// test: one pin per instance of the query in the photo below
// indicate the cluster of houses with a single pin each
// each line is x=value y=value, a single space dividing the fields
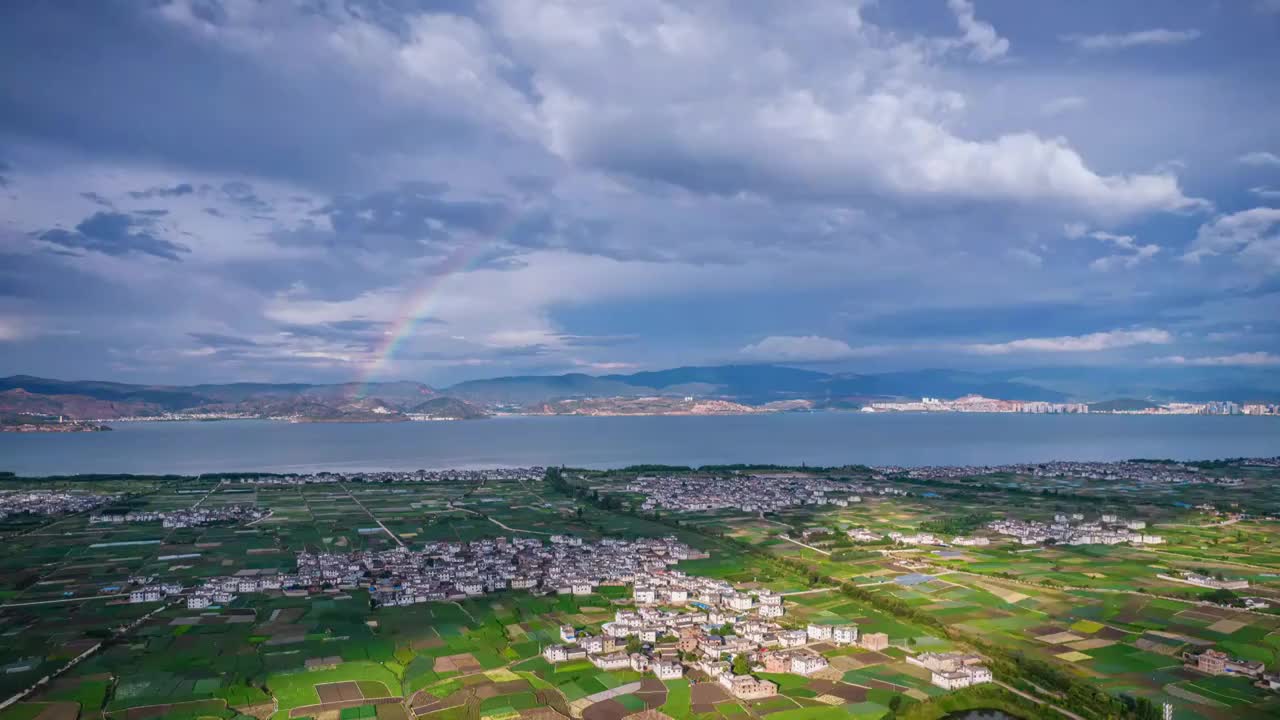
x=682 y=620
x=145 y=589
x=953 y=670
x=1074 y=530
x=525 y=474
x=1142 y=472
x=1216 y=662
x=863 y=535
x=454 y=570
x=748 y=493
x=1208 y=581
x=1132 y=471
x=42 y=502
x=186 y=517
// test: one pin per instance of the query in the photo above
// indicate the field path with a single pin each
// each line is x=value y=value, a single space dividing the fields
x=789 y=539
x=385 y=529
x=1037 y=700
x=504 y=526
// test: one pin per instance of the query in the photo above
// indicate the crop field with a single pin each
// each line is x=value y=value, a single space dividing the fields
x=1102 y=614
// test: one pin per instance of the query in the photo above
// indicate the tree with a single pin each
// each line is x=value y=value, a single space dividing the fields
x=895 y=703
x=741 y=665
x=633 y=645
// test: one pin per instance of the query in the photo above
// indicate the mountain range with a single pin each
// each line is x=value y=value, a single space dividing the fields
x=763 y=387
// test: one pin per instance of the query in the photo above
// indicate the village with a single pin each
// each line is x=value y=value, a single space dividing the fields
x=457 y=570
x=683 y=622
x=186 y=517
x=41 y=502
x=1128 y=470
x=1073 y=530
x=750 y=493
x=517 y=474
x=679 y=622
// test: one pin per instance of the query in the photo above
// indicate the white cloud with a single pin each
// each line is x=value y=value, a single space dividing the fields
x=1139 y=38
x=1267 y=193
x=1093 y=342
x=1075 y=230
x=1252 y=236
x=984 y=43
x=1244 y=359
x=1130 y=256
x=10 y=329
x=1026 y=257
x=813 y=104
x=1060 y=105
x=799 y=348
x=1259 y=158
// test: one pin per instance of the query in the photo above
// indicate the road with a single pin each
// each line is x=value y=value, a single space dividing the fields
x=86 y=598
x=789 y=539
x=385 y=529
x=1038 y=701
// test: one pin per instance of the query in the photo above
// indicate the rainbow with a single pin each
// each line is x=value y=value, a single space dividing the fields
x=414 y=310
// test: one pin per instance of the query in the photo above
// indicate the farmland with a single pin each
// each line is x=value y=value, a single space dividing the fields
x=1105 y=617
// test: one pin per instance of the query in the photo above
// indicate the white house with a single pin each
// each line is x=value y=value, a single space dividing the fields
x=555 y=653
x=845 y=634
x=807 y=663
x=818 y=632
x=668 y=670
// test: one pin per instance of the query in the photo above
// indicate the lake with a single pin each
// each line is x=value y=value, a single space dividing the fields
x=825 y=438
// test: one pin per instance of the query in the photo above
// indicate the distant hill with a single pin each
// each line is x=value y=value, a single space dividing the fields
x=1122 y=404
x=758 y=386
x=526 y=389
x=448 y=408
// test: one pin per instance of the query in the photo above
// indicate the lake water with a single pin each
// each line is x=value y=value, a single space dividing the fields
x=829 y=438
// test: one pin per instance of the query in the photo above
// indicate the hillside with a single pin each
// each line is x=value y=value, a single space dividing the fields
x=767 y=387
x=448 y=408
x=1121 y=405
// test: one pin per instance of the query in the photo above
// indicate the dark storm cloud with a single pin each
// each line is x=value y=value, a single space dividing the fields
x=97 y=199
x=218 y=340
x=117 y=234
x=163 y=192
x=413 y=211
x=162 y=92
x=342 y=330
x=243 y=194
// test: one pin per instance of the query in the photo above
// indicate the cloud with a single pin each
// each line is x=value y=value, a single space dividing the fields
x=1267 y=193
x=117 y=234
x=1132 y=254
x=218 y=340
x=837 y=108
x=11 y=329
x=1244 y=359
x=1064 y=104
x=163 y=192
x=1252 y=236
x=984 y=43
x=798 y=348
x=1093 y=342
x=1026 y=257
x=1260 y=158
x=1139 y=38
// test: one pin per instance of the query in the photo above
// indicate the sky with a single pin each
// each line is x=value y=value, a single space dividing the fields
x=316 y=191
